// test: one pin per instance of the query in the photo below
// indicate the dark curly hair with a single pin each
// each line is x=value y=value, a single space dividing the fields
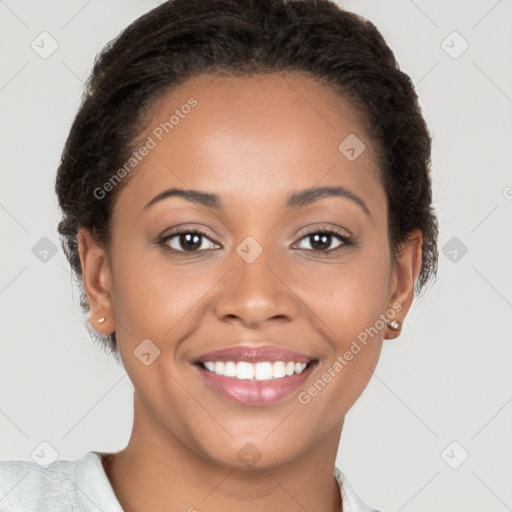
x=184 y=38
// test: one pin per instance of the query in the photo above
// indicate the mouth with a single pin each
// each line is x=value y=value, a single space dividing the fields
x=261 y=371
x=255 y=376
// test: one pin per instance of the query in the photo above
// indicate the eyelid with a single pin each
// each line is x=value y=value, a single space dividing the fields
x=187 y=228
x=314 y=228
x=177 y=231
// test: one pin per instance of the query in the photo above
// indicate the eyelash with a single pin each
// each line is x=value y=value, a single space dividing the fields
x=346 y=241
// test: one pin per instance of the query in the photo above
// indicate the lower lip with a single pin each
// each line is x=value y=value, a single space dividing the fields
x=254 y=392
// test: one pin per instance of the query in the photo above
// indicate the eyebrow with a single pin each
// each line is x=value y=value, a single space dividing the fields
x=295 y=200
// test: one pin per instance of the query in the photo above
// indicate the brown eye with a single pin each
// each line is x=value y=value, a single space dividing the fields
x=187 y=241
x=320 y=241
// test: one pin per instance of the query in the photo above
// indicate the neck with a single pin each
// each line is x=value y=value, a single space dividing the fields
x=156 y=471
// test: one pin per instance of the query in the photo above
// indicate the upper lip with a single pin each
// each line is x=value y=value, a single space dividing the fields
x=253 y=354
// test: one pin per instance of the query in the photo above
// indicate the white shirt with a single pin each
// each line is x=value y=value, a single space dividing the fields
x=83 y=486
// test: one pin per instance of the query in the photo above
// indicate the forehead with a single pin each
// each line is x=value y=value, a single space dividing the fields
x=264 y=135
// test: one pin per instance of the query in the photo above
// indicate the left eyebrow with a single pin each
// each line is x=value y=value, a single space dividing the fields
x=295 y=200
x=310 y=195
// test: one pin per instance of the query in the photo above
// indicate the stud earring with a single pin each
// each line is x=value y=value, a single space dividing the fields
x=395 y=324
x=101 y=320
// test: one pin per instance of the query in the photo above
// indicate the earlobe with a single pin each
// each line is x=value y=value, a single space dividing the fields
x=97 y=281
x=406 y=271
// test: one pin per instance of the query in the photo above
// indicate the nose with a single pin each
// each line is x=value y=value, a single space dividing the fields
x=257 y=293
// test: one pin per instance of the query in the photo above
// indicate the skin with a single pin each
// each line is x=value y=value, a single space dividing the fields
x=253 y=141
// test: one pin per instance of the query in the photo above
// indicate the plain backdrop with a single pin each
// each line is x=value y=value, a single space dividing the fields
x=432 y=431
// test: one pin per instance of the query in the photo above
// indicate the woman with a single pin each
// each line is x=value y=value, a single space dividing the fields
x=246 y=201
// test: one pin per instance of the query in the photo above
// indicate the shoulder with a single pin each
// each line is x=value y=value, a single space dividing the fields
x=25 y=485
x=65 y=485
x=350 y=500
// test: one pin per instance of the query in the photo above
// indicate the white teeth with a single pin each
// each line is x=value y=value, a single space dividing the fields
x=299 y=367
x=264 y=370
x=279 y=369
x=290 y=368
x=230 y=369
x=244 y=370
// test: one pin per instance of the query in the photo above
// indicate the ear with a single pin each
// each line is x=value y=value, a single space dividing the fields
x=406 y=270
x=97 y=281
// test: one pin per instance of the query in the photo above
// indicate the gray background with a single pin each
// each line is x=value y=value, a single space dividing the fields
x=447 y=378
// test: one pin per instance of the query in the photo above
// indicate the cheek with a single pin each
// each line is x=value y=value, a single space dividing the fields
x=350 y=305
x=350 y=297
x=349 y=317
x=152 y=294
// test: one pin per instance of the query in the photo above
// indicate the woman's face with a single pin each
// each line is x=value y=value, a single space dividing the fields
x=261 y=272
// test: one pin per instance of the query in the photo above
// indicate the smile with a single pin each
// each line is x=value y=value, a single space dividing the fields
x=261 y=371
x=254 y=376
